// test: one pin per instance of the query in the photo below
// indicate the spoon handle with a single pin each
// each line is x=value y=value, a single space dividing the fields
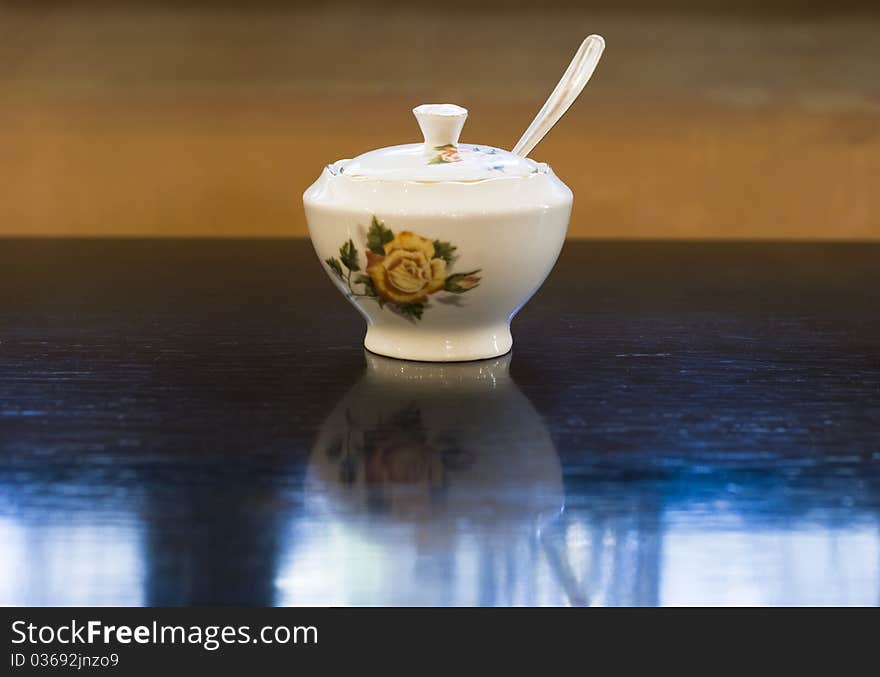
x=575 y=78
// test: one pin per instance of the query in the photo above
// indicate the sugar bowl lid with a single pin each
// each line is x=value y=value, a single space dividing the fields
x=441 y=158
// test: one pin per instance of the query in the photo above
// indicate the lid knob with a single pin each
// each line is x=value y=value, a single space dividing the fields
x=440 y=123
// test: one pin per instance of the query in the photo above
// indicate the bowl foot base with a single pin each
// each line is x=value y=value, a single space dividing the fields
x=425 y=345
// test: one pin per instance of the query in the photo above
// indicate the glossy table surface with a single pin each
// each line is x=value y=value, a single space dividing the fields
x=195 y=422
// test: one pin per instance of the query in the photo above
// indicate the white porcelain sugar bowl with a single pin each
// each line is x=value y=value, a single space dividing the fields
x=439 y=243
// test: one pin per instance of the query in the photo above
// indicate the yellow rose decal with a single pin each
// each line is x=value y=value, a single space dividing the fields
x=402 y=270
x=407 y=271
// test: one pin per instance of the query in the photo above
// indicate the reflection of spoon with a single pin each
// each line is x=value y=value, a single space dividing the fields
x=573 y=81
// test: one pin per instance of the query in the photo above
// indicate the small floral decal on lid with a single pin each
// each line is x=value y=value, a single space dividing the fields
x=402 y=270
x=487 y=156
x=447 y=153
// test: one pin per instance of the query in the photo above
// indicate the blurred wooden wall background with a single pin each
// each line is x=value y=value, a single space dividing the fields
x=715 y=120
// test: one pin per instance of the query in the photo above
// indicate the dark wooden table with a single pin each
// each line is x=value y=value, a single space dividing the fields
x=195 y=422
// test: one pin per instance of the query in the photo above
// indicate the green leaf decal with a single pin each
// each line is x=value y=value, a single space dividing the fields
x=349 y=255
x=334 y=266
x=370 y=288
x=462 y=282
x=378 y=236
x=445 y=251
x=411 y=310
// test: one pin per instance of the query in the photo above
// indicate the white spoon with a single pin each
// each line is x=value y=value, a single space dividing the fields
x=573 y=81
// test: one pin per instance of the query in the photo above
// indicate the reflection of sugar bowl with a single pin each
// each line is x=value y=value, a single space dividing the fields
x=438 y=244
x=422 y=475
x=421 y=442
